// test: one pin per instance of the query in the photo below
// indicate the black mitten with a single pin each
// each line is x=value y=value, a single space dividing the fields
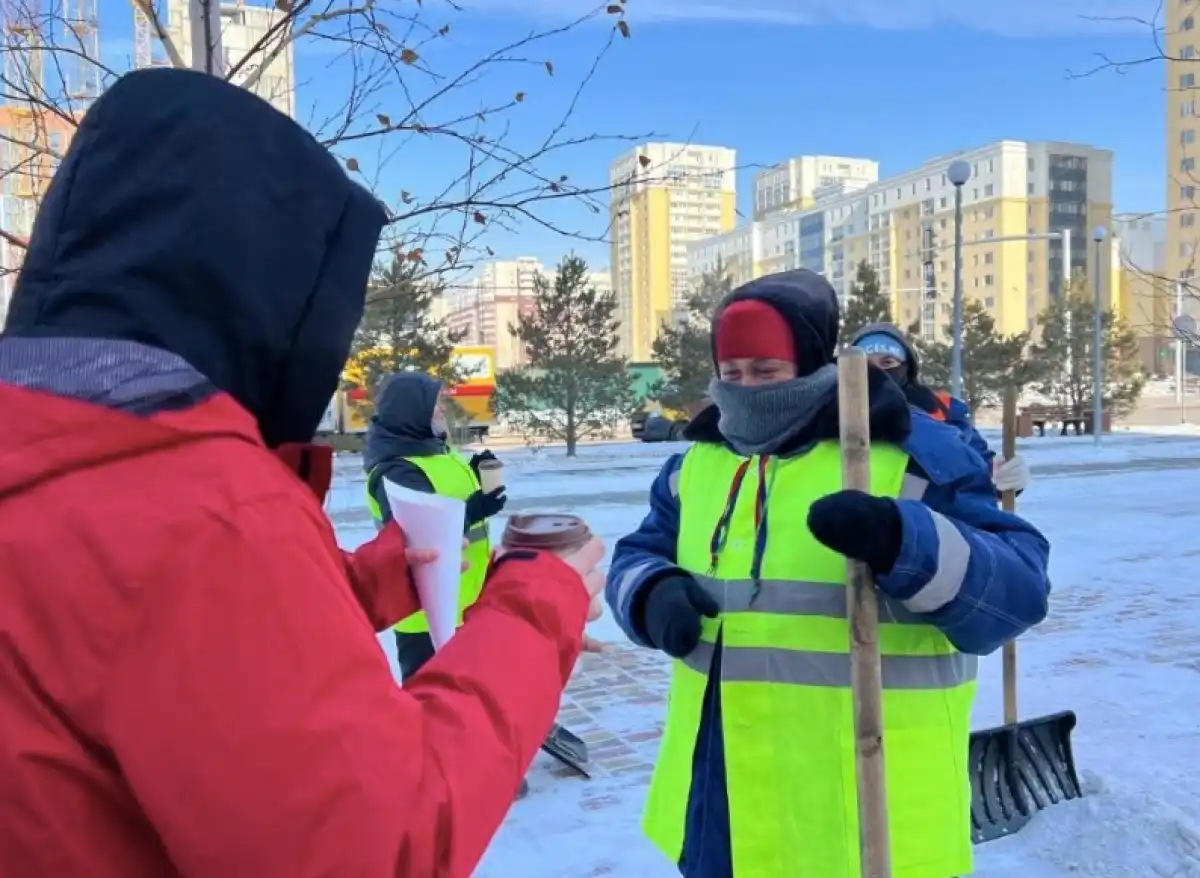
x=859 y=526
x=672 y=611
x=480 y=458
x=481 y=505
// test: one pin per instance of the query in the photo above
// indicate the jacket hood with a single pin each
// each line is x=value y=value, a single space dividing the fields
x=402 y=425
x=893 y=332
x=191 y=216
x=806 y=301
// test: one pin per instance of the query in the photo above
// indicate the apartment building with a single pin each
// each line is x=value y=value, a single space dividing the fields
x=664 y=196
x=487 y=303
x=1147 y=294
x=1182 y=42
x=245 y=28
x=793 y=184
x=33 y=140
x=903 y=226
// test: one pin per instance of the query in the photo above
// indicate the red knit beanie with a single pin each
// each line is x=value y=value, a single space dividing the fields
x=751 y=329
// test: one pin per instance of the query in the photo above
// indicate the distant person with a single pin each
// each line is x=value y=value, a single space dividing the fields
x=889 y=349
x=406 y=445
x=190 y=683
x=738 y=572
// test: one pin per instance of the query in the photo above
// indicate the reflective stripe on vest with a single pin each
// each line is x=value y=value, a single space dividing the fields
x=785 y=687
x=451 y=476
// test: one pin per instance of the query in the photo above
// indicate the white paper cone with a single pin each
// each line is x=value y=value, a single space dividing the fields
x=432 y=522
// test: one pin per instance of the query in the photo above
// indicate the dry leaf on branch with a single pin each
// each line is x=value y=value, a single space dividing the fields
x=352 y=164
x=643 y=160
x=550 y=67
x=406 y=197
x=443 y=30
x=615 y=10
x=408 y=56
x=283 y=5
x=385 y=121
x=623 y=27
x=479 y=218
x=519 y=97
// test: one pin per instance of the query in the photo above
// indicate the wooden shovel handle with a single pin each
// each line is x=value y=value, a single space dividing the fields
x=866 y=670
x=1008 y=501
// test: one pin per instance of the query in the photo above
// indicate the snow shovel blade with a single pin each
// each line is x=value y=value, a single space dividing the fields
x=567 y=748
x=1017 y=770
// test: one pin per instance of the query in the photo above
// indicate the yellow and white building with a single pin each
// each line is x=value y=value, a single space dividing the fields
x=793 y=184
x=903 y=226
x=664 y=196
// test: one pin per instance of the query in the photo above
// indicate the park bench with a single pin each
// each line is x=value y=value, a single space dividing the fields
x=1038 y=417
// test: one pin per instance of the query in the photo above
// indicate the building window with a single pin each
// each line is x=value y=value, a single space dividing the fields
x=989 y=280
x=1187 y=220
x=1187 y=192
x=1187 y=135
x=1188 y=164
x=988 y=258
x=989 y=190
x=1188 y=23
x=989 y=302
x=1187 y=80
x=1187 y=53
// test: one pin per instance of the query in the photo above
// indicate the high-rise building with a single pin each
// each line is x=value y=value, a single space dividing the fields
x=34 y=139
x=664 y=196
x=486 y=304
x=903 y=226
x=262 y=29
x=1147 y=294
x=792 y=185
x=1183 y=149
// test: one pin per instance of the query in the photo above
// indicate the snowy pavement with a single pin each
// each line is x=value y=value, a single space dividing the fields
x=1121 y=648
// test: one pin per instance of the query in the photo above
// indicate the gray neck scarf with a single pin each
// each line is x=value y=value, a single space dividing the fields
x=763 y=419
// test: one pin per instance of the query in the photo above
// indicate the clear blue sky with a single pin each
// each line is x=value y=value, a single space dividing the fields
x=934 y=76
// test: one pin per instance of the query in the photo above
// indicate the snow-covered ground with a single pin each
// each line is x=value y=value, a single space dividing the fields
x=1121 y=648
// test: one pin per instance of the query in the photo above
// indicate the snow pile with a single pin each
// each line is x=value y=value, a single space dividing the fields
x=1110 y=833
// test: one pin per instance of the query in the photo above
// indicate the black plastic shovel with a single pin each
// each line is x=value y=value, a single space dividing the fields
x=1019 y=768
x=568 y=748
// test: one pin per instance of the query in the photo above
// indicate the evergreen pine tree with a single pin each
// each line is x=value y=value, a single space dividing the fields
x=684 y=349
x=575 y=386
x=398 y=332
x=867 y=303
x=992 y=361
x=1068 y=335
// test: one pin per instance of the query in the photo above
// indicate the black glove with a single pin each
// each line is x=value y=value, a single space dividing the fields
x=481 y=505
x=480 y=458
x=671 y=612
x=859 y=526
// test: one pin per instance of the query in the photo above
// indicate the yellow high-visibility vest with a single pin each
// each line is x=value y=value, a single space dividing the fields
x=785 y=687
x=451 y=476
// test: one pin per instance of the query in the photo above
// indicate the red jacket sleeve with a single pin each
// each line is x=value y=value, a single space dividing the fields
x=258 y=726
x=379 y=575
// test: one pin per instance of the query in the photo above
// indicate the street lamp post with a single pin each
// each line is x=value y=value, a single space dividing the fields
x=958 y=174
x=1098 y=235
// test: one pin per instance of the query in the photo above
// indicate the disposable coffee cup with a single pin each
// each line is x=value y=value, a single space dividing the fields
x=550 y=532
x=491 y=475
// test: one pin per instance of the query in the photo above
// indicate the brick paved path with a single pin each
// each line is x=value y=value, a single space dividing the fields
x=615 y=703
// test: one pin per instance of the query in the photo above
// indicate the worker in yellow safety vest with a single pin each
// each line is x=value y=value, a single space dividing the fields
x=738 y=573
x=406 y=445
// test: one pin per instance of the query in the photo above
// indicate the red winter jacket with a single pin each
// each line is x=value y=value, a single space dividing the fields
x=189 y=678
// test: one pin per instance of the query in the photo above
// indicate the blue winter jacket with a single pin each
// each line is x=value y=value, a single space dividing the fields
x=958 y=416
x=1004 y=591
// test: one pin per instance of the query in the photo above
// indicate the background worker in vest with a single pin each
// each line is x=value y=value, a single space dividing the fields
x=406 y=444
x=889 y=349
x=738 y=572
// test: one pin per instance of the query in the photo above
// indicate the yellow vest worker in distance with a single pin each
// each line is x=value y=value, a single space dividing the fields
x=406 y=444
x=738 y=573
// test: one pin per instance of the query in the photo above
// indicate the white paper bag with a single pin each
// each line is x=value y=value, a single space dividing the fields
x=433 y=522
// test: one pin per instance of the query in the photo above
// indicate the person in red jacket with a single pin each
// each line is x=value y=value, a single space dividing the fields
x=190 y=682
